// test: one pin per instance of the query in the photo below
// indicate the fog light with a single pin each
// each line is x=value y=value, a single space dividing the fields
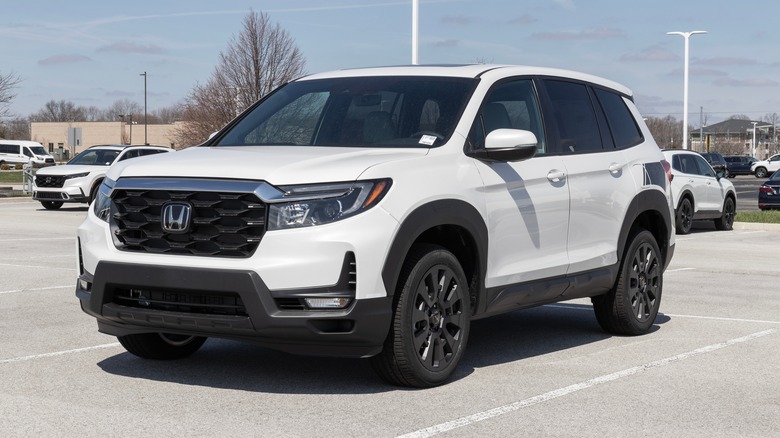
x=85 y=285
x=327 y=303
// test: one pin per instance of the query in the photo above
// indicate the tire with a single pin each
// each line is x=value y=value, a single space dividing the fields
x=631 y=306
x=431 y=321
x=93 y=193
x=761 y=172
x=684 y=216
x=726 y=222
x=51 y=205
x=161 y=346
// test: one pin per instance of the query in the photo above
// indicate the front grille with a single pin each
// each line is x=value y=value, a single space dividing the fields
x=49 y=181
x=49 y=161
x=49 y=195
x=207 y=303
x=223 y=224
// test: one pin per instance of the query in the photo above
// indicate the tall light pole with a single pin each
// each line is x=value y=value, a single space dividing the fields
x=686 y=36
x=145 y=132
x=415 y=29
x=754 y=138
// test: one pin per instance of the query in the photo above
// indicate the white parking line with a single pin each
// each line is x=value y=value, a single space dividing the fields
x=680 y=269
x=512 y=407
x=35 y=266
x=673 y=315
x=35 y=289
x=38 y=238
x=58 y=353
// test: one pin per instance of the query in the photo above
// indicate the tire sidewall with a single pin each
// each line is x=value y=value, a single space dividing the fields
x=637 y=325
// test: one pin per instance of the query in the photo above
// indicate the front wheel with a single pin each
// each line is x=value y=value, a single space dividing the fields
x=431 y=320
x=161 y=346
x=684 y=216
x=726 y=221
x=51 y=205
x=761 y=172
x=631 y=306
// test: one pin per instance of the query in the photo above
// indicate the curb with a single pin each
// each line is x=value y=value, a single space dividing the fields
x=756 y=226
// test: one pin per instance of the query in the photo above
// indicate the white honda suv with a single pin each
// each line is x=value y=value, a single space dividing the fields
x=699 y=192
x=376 y=212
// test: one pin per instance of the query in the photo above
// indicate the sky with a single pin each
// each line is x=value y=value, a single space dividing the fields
x=94 y=52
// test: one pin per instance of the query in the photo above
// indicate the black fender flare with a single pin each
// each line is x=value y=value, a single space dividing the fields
x=653 y=201
x=442 y=212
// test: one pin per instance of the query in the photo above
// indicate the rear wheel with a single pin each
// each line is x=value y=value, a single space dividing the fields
x=431 y=320
x=684 y=216
x=631 y=306
x=726 y=221
x=51 y=205
x=161 y=346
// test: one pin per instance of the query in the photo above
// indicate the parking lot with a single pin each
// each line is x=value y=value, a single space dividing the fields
x=710 y=367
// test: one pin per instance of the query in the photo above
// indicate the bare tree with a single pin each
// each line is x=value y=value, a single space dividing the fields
x=738 y=117
x=7 y=84
x=124 y=108
x=15 y=129
x=261 y=58
x=62 y=111
x=667 y=131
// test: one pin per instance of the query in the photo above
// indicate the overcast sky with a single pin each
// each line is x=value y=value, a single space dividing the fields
x=93 y=52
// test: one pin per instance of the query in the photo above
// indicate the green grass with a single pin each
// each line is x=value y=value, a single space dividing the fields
x=766 y=217
x=11 y=177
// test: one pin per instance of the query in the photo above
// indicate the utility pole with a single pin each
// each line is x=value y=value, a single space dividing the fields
x=703 y=147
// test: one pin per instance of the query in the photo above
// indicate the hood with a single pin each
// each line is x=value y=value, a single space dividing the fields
x=277 y=165
x=70 y=169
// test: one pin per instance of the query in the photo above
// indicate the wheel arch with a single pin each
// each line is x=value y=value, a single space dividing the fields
x=453 y=224
x=648 y=210
x=686 y=194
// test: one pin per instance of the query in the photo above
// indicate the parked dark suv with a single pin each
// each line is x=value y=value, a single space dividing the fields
x=739 y=164
x=717 y=162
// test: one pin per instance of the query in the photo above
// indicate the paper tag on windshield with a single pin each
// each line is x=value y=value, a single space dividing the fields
x=427 y=140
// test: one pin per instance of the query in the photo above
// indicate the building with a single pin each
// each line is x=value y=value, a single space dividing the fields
x=735 y=136
x=65 y=139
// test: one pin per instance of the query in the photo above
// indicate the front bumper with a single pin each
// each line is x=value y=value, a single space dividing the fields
x=229 y=304
x=64 y=194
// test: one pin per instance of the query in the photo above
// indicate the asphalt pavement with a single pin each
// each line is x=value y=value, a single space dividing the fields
x=709 y=367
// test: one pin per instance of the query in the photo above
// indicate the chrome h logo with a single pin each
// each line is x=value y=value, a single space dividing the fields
x=176 y=217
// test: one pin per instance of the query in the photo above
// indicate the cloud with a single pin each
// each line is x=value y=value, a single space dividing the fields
x=130 y=47
x=523 y=19
x=566 y=4
x=459 y=20
x=64 y=59
x=730 y=82
x=651 y=54
x=594 y=34
x=446 y=43
x=724 y=60
x=698 y=71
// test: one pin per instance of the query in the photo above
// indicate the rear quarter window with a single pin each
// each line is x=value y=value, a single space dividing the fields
x=625 y=131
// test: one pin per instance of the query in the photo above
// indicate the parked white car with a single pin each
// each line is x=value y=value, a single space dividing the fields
x=699 y=192
x=376 y=212
x=78 y=180
x=764 y=168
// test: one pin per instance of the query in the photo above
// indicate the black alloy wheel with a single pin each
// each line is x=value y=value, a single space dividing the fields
x=684 y=216
x=726 y=221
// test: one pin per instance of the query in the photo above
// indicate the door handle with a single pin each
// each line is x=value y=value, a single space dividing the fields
x=556 y=175
x=615 y=167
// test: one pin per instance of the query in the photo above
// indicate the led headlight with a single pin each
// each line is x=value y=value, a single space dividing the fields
x=317 y=204
x=76 y=175
x=102 y=205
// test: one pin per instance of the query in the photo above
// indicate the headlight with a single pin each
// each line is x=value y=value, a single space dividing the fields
x=102 y=205
x=76 y=175
x=308 y=205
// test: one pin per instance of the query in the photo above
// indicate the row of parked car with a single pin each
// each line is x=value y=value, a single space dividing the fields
x=734 y=165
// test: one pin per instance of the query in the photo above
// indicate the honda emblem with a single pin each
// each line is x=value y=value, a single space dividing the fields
x=176 y=217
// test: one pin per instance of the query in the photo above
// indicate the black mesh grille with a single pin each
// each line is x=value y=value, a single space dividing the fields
x=182 y=301
x=49 y=181
x=223 y=224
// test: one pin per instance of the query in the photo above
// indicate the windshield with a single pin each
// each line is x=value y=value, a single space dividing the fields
x=38 y=150
x=95 y=157
x=360 y=111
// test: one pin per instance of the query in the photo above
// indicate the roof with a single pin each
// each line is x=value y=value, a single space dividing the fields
x=733 y=126
x=469 y=71
x=125 y=146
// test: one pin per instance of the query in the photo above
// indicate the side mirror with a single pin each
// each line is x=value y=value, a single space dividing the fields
x=504 y=145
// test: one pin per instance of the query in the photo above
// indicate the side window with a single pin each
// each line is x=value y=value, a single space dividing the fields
x=578 y=128
x=624 y=130
x=704 y=167
x=130 y=154
x=27 y=152
x=510 y=105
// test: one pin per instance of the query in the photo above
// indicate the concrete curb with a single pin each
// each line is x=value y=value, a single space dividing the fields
x=756 y=226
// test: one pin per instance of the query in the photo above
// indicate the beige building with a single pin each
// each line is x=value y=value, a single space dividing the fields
x=54 y=135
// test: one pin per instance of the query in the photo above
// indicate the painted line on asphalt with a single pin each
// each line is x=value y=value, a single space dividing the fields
x=680 y=269
x=35 y=266
x=36 y=289
x=673 y=315
x=38 y=239
x=512 y=407
x=58 y=353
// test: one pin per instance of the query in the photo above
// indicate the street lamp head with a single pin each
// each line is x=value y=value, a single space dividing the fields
x=687 y=34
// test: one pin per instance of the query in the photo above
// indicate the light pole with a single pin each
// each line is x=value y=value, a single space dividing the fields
x=121 y=128
x=415 y=26
x=754 y=138
x=686 y=36
x=145 y=138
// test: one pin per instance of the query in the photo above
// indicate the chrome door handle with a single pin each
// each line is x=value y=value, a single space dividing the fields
x=556 y=175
